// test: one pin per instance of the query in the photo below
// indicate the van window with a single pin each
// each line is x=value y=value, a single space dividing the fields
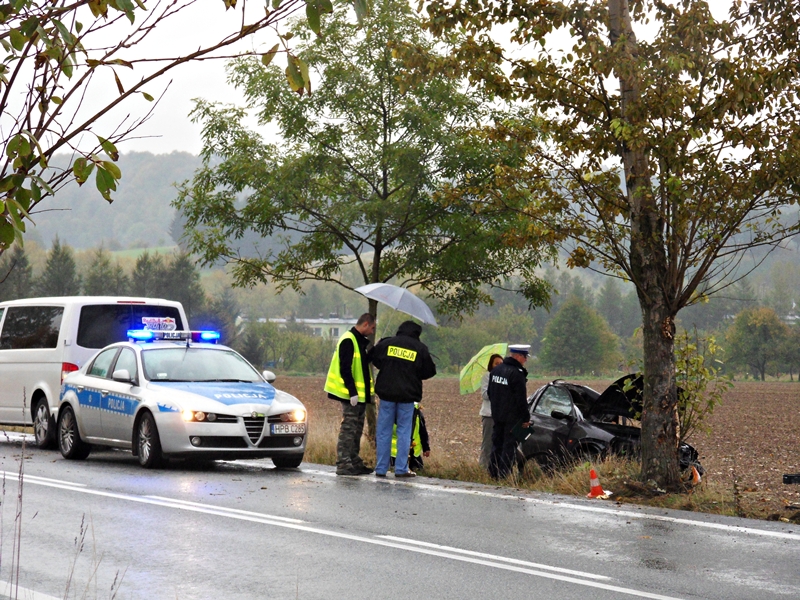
x=28 y=327
x=104 y=324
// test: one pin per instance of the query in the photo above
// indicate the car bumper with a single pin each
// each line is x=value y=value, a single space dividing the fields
x=227 y=440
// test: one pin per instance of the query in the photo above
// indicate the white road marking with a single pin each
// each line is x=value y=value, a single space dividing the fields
x=466 y=556
x=514 y=561
x=15 y=591
x=234 y=511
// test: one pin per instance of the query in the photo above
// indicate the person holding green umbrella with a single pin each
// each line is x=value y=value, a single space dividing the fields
x=487 y=423
x=475 y=376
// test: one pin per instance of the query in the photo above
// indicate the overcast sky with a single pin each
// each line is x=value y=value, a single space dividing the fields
x=169 y=128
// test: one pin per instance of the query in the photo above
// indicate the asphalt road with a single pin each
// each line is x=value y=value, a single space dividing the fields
x=105 y=528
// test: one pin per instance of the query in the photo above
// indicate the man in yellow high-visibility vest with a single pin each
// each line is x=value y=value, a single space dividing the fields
x=350 y=382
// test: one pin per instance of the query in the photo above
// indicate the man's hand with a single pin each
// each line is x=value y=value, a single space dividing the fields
x=426 y=454
x=353 y=400
x=526 y=425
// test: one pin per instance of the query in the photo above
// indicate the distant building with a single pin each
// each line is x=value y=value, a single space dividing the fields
x=331 y=327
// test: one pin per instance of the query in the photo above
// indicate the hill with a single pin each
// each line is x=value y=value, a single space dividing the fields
x=140 y=215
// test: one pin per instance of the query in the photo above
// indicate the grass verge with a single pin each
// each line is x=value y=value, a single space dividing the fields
x=618 y=475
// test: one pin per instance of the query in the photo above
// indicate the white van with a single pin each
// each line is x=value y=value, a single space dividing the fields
x=44 y=339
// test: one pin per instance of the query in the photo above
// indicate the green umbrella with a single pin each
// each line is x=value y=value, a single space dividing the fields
x=472 y=373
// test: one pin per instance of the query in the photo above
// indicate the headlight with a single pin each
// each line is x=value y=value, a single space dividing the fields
x=297 y=416
x=190 y=415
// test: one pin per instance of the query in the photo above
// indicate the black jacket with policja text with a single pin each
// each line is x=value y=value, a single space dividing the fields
x=404 y=361
x=508 y=392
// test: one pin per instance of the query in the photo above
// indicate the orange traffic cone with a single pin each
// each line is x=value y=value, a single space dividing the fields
x=696 y=476
x=596 y=489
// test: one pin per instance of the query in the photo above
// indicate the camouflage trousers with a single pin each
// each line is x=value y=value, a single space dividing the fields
x=349 y=445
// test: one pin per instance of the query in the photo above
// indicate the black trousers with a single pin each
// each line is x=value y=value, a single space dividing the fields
x=504 y=450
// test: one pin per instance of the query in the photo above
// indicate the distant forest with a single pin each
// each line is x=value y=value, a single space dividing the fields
x=139 y=217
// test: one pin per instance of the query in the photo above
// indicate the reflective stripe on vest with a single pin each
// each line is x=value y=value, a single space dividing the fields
x=416 y=441
x=335 y=384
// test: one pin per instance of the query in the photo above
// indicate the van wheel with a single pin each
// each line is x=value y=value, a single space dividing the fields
x=149 y=444
x=69 y=439
x=44 y=426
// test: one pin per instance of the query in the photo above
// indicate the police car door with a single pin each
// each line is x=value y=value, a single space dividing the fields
x=91 y=392
x=549 y=433
x=121 y=400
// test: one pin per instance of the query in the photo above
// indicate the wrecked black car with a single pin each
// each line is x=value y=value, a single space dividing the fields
x=574 y=422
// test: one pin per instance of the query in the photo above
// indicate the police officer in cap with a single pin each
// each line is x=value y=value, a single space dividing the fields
x=508 y=395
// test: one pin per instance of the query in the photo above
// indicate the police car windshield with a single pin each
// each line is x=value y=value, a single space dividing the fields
x=196 y=364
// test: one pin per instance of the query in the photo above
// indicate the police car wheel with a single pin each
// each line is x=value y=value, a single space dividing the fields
x=290 y=461
x=44 y=427
x=69 y=439
x=149 y=444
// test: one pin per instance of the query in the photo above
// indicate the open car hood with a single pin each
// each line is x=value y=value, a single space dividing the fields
x=616 y=401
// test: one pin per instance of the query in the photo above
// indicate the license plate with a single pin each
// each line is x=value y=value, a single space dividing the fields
x=287 y=428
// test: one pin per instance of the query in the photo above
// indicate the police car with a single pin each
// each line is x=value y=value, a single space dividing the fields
x=178 y=394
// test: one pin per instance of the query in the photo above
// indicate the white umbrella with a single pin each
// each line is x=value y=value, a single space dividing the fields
x=399 y=299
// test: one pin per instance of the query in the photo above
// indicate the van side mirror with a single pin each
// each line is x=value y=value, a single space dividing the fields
x=269 y=376
x=123 y=376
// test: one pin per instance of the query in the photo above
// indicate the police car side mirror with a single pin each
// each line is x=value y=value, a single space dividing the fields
x=269 y=376
x=122 y=375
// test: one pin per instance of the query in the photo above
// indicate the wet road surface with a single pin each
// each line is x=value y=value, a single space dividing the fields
x=106 y=528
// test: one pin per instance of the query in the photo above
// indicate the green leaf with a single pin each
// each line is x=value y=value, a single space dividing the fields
x=147 y=96
x=12 y=148
x=24 y=146
x=362 y=10
x=78 y=26
x=69 y=39
x=29 y=26
x=17 y=40
x=105 y=183
x=66 y=66
x=266 y=58
x=108 y=148
x=41 y=183
x=82 y=169
x=313 y=15
x=293 y=74
x=56 y=99
x=99 y=8
x=7 y=234
x=275 y=4
x=304 y=72
x=113 y=169
x=127 y=7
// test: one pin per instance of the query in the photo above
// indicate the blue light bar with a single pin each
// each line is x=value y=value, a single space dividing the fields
x=141 y=335
x=148 y=335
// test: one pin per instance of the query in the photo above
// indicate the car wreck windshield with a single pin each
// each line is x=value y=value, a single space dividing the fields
x=196 y=364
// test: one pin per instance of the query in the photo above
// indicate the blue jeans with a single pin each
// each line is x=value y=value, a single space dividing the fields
x=389 y=414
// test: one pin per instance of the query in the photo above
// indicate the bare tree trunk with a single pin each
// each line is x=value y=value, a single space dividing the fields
x=648 y=261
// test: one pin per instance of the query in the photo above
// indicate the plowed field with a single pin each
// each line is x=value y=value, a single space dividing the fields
x=754 y=439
